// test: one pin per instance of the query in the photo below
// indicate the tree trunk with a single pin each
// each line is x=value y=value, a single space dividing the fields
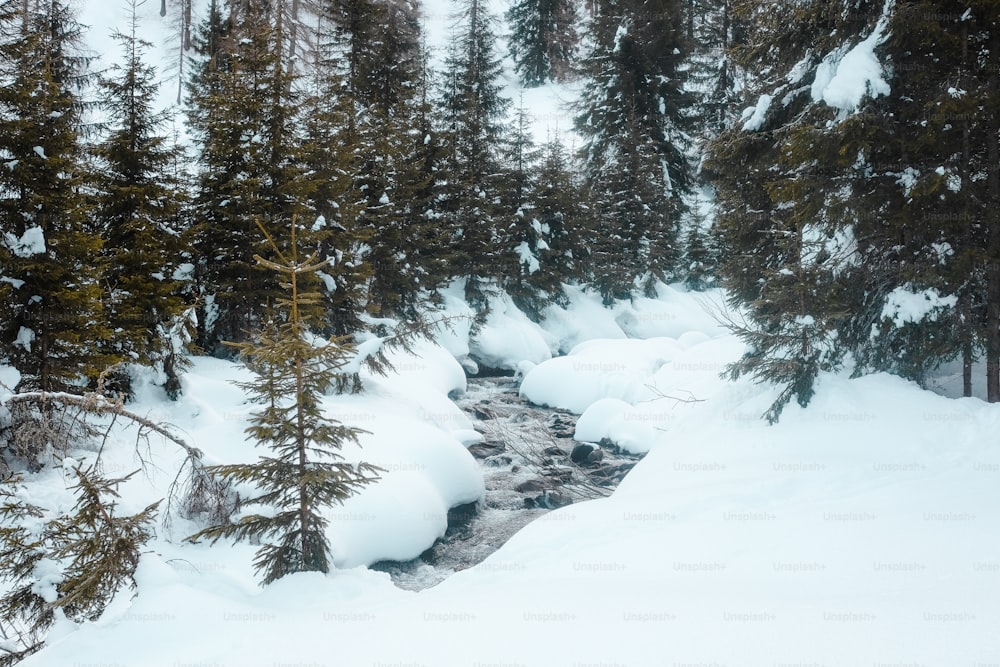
x=993 y=230
x=186 y=21
x=967 y=321
x=967 y=336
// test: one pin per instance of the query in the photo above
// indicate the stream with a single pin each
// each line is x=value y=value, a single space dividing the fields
x=531 y=465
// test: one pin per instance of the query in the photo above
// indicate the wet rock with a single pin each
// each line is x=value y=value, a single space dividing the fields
x=611 y=446
x=500 y=461
x=532 y=486
x=562 y=426
x=524 y=457
x=581 y=452
x=483 y=413
x=552 y=500
x=487 y=448
x=559 y=476
x=460 y=517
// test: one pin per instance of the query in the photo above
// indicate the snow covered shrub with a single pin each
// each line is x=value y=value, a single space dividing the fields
x=70 y=566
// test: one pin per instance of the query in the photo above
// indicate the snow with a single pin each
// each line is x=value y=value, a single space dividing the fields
x=25 y=337
x=30 y=243
x=184 y=272
x=755 y=116
x=527 y=257
x=903 y=305
x=40 y=152
x=857 y=531
x=843 y=79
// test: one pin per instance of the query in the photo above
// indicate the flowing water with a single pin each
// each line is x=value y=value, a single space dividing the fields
x=531 y=465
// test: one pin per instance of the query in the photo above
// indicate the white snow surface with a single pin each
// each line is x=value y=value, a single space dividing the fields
x=903 y=305
x=755 y=116
x=30 y=243
x=843 y=79
x=861 y=530
x=858 y=531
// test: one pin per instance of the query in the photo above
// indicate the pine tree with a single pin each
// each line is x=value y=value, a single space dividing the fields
x=543 y=40
x=633 y=116
x=517 y=190
x=784 y=176
x=304 y=474
x=74 y=565
x=330 y=161
x=543 y=237
x=925 y=179
x=387 y=138
x=473 y=112
x=242 y=109
x=53 y=309
x=701 y=258
x=412 y=258
x=138 y=208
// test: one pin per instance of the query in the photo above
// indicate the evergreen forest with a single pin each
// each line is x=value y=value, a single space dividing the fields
x=828 y=163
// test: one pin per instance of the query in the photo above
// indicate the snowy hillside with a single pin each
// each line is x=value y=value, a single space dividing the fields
x=859 y=531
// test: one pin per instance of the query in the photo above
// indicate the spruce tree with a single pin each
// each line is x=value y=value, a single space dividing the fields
x=304 y=474
x=474 y=111
x=543 y=39
x=633 y=116
x=387 y=138
x=925 y=177
x=784 y=175
x=138 y=208
x=72 y=565
x=545 y=250
x=242 y=110
x=53 y=316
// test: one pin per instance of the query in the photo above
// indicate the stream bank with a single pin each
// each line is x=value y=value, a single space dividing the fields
x=531 y=465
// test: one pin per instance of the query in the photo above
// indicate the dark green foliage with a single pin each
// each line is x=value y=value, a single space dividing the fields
x=330 y=156
x=543 y=39
x=786 y=218
x=633 y=116
x=138 y=208
x=701 y=258
x=52 y=319
x=791 y=335
x=73 y=564
x=930 y=177
x=474 y=111
x=411 y=256
x=304 y=474
x=387 y=148
x=548 y=224
x=242 y=109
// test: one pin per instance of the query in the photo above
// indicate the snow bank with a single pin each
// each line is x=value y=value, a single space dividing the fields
x=903 y=305
x=508 y=338
x=857 y=531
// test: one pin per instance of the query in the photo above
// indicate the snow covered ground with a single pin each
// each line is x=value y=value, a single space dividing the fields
x=860 y=531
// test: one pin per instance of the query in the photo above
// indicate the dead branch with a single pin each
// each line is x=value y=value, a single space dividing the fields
x=94 y=403
x=659 y=395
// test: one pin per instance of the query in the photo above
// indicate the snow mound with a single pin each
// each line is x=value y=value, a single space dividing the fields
x=856 y=531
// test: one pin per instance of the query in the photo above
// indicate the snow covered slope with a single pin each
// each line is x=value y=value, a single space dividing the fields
x=861 y=531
